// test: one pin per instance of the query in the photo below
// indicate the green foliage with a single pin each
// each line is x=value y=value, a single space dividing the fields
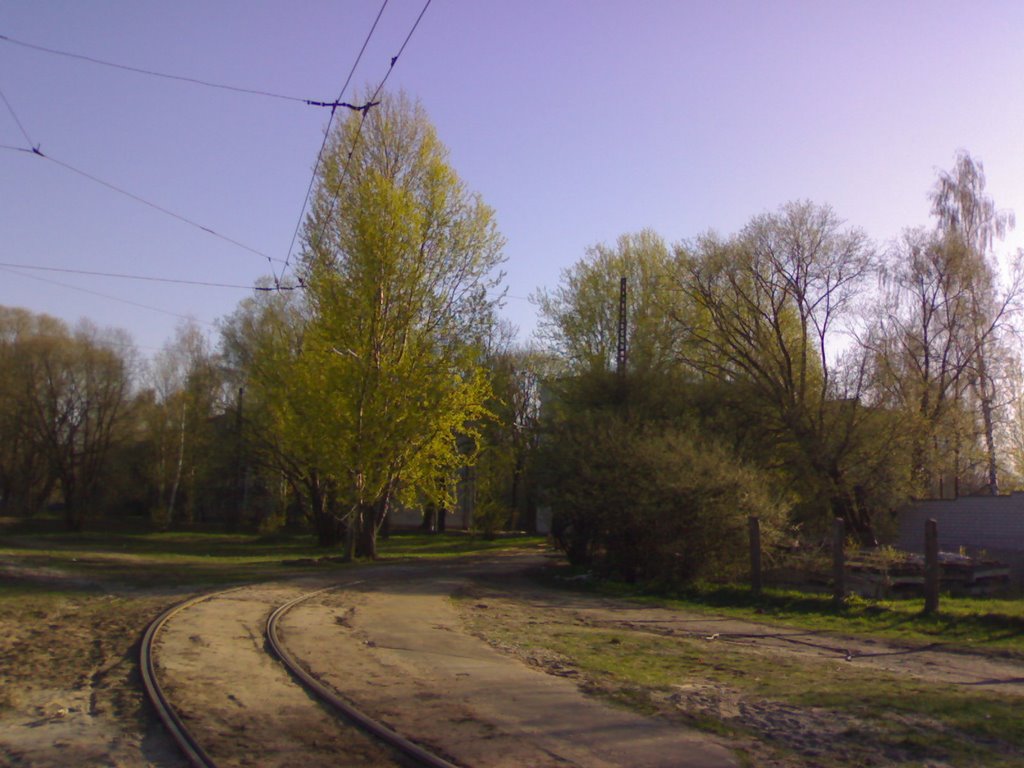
x=767 y=306
x=654 y=502
x=192 y=432
x=579 y=318
x=284 y=427
x=399 y=258
x=505 y=473
x=63 y=396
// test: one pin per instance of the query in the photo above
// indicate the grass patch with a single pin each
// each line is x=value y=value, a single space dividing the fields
x=455 y=544
x=803 y=710
x=132 y=555
x=968 y=623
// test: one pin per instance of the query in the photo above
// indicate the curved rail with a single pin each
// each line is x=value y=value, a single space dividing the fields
x=196 y=755
x=373 y=727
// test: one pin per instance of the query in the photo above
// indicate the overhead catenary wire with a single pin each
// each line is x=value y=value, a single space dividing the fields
x=35 y=149
x=120 y=190
x=372 y=101
x=180 y=78
x=107 y=296
x=16 y=120
x=327 y=133
x=148 y=278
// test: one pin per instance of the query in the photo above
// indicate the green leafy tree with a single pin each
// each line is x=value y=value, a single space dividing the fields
x=506 y=469
x=188 y=382
x=578 y=320
x=284 y=427
x=399 y=262
x=654 y=502
x=77 y=390
x=760 y=313
x=940 y=345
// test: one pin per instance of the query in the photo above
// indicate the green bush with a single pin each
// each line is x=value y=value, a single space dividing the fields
x=654 y=502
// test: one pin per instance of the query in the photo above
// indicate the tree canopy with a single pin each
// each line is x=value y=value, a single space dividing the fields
x=400 y=267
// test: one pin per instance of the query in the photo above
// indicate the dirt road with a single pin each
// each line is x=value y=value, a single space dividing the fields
x=392 y=643
x=238 y=701
x=395 y=645
x=392 y=640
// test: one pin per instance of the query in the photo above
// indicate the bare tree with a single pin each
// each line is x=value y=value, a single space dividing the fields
x=762 y=311
x=79 y=389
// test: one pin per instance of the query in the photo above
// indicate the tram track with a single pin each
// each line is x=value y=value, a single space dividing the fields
x=191 y=748
x=411 y=753
x=392 y=641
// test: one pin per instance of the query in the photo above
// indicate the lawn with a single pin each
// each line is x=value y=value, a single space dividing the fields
x=780 y=707
x=993 y=624
x=134 y=556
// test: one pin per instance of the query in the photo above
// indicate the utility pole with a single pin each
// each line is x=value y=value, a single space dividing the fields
x=620 y=352
x=240 y=484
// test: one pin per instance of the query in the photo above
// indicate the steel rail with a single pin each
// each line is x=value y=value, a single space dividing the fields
x=195 y=754
x=375 y=728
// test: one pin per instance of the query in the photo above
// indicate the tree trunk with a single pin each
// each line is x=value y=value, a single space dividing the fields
x=74 y=517
x=373 y=517
x=74 y=520
x=429 y=524
x=177 y=472
x=366 y=542
x=324 y=522
x=986 y=397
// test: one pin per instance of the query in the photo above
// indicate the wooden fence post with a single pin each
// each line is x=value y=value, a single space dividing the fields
x=755 y=556
x=838 y=562
x=931 y=566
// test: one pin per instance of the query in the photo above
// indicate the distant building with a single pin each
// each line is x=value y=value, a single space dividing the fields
x=990 y=526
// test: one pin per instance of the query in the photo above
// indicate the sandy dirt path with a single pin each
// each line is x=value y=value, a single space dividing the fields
x=240 y=703
x=391 y=640
x=70 y=692
x=394 y=645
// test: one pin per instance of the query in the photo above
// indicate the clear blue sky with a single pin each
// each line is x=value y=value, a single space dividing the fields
x=577 y=121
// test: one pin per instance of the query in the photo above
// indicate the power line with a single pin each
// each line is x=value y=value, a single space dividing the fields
x=144 y=201
x=327 y=133
x=122 y=275
x=105 y=296
x=394 y=59
x=181 y=78
x=372 y=101
x=16 y=120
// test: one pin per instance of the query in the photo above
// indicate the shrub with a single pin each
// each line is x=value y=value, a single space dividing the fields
x=654 y=502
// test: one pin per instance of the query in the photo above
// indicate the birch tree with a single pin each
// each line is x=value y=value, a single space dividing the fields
x=971 y=221
x=400 y=265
